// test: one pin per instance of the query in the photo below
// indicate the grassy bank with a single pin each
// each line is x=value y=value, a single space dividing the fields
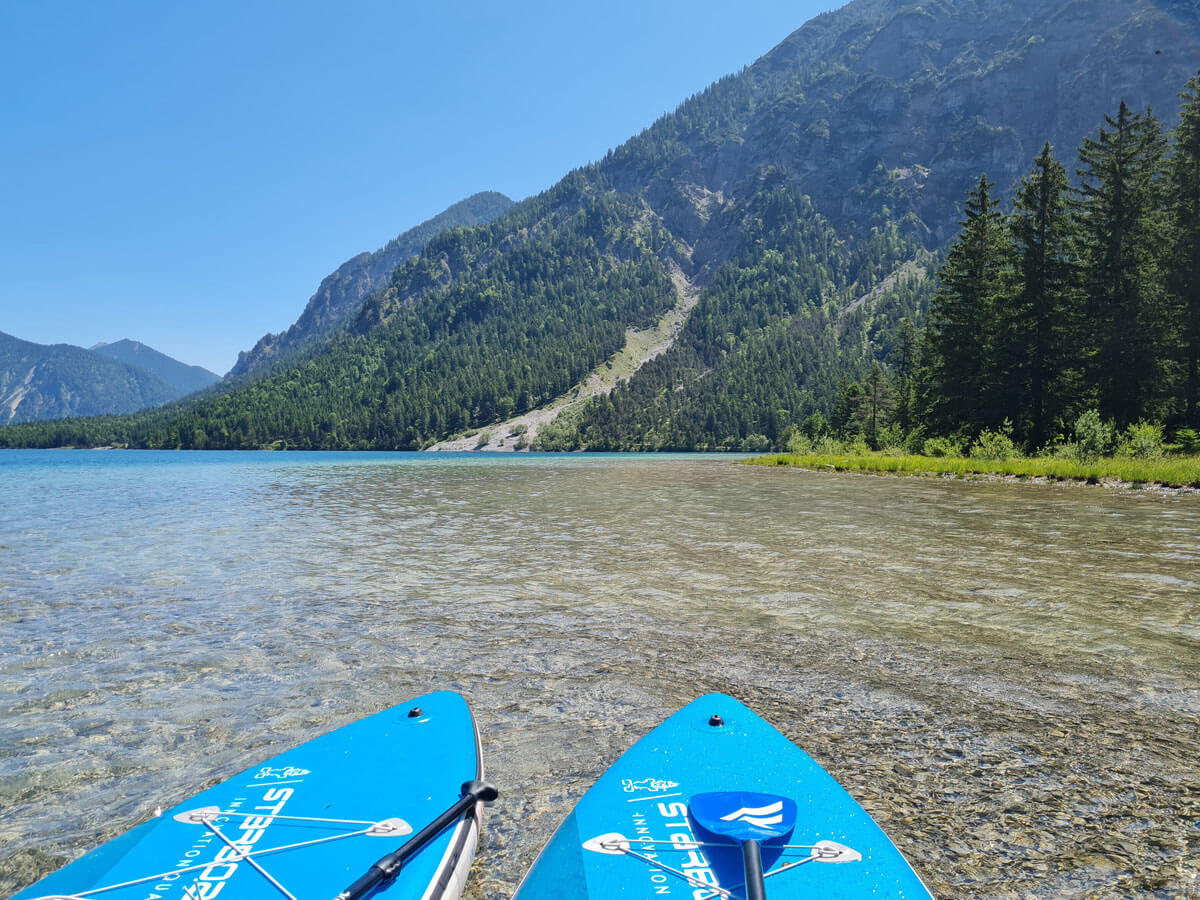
x=1182 y=471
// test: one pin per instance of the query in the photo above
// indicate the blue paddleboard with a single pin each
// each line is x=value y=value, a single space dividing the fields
x=639 y=832
x=309 y=822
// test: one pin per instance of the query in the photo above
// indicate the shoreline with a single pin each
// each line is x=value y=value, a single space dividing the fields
x=961 y=469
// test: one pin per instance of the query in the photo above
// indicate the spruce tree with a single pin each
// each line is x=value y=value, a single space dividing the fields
x=1184 y=212
x=877 y=405
x=1123 y=237
x=1043 y=318
x=961 y=369
x=906 y=362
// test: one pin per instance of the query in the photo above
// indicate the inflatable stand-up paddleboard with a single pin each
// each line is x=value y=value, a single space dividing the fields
x=715 y=803
x=388 y=807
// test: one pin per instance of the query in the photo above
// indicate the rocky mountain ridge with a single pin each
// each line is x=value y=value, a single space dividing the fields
x=342 y=293
x=899 y=106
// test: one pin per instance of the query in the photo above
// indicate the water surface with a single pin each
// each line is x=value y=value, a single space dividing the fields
x=1006 y=676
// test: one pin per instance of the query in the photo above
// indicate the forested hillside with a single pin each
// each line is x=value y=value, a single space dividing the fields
x=341 y=293
x=809 y=200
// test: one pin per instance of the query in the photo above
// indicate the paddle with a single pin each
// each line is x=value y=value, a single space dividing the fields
x=389 y=866
x=748 y=819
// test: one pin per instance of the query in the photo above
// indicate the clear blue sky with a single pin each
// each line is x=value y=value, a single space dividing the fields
x=184 y=174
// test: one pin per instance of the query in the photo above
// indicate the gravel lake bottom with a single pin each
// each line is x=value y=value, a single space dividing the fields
x=1005 y=675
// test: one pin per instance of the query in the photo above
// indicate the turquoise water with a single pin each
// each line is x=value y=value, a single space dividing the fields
x=1007 y=676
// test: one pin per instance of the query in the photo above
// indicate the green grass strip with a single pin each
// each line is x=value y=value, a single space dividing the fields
x=1171 y=472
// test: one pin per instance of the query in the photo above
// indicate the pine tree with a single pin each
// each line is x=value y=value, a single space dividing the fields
x=961 y=370
x=1184 y=215
x=1043 y=318
x=1123 y=236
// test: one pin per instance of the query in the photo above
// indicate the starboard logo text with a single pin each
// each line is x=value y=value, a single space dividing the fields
x=251 y=826
x=673 y=817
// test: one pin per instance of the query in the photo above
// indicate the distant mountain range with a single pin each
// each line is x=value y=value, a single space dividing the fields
x=771 y=234
x=341 y=294
x=57 y=381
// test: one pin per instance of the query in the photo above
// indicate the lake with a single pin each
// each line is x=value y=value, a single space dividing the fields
x=1006 y=676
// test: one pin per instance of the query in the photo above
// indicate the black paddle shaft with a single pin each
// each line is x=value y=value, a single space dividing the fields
x=389 y=866
x=752 y=864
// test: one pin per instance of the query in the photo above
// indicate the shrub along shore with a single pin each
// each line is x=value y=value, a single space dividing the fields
x=1179 y=472
x=1098 y=453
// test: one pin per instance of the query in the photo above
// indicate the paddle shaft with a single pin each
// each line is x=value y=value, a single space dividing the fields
x=389 y=866
x=752 y=865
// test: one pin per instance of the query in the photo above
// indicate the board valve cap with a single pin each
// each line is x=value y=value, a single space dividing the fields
x=415 y=712
x=716 y=721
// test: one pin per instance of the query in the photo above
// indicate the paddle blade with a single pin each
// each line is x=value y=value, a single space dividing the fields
x=744 y=816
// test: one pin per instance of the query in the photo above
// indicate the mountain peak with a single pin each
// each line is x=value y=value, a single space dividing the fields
x=183 y=379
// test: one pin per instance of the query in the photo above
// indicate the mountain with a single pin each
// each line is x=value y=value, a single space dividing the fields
x=788 y=218
x=39 y=381
x=183 y=378
x=896 y=105
x=342 y=293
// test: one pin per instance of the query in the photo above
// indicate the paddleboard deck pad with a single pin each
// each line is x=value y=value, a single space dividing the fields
x=307 y=823
x=636 y=834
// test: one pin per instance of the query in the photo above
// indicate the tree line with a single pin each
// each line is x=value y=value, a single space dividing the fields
x=1083 y=298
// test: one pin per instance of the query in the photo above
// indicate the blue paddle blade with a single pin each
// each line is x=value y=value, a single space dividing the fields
x=744 y=816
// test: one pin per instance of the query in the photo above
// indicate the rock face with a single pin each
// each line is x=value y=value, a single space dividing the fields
x=342 y=293
x=39 y=381
x=900 y=105
x=183 y=378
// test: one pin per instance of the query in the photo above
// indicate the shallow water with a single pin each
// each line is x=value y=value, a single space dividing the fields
x=1006 y=676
